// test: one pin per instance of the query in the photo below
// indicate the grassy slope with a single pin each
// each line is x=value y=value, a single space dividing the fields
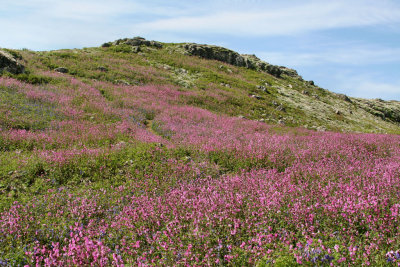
x=79 y=133
x=223 y=88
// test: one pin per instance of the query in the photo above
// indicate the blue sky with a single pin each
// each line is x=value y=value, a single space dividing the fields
x=346 y=46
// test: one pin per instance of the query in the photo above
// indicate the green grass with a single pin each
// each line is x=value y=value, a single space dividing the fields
x=19 y=112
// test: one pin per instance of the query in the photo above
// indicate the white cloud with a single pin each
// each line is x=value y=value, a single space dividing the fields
x=367 y=88
x=359 y=83
x=46 y=22
x=347 y=54
x=295 y=19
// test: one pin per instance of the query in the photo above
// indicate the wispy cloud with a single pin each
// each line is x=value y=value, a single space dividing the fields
x=345 y=54
x=296 y=19
x=364 y=87
x=97 y=19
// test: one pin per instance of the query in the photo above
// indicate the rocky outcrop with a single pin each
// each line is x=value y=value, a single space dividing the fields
x=138 y=41
x=387 y=110
x=290 y=72
x=231 y=57
x=135 y=42
x=343 y=97
x=217 y=53
x=253 y=62
x=9 y=63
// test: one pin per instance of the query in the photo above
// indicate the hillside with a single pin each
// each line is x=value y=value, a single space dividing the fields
x=220 y=80
x=145 y=153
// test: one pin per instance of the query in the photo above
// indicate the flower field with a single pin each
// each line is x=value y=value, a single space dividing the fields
x=94 y=173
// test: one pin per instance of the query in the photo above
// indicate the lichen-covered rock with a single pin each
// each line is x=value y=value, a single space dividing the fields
x=289 y=72
x=137 y=42
x=231 y=57
x=102 y=68
x=136 y=49
x=387 y=110
x=215 y=52
x=61 y=70
x=344 y=97
x=253 y=62
x=10 y=64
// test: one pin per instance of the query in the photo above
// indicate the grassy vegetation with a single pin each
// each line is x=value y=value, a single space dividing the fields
x=159 y=158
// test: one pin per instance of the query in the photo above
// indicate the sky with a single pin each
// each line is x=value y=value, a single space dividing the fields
x=346 y=46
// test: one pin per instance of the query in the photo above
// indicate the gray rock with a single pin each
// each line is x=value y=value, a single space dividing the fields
x=136 y=49
x=156 y=44
x=135 y=42
x=226 y=85
x=262 y=88
x=253 y=62
x=255 y=96
x=280 y=108
x=10 y=64
x=103 y=69
x=344 y=97
x=215 y=52
x=290 y=72
x=231 y=57
x=138 y=41
x=61 y=70
x=122 y=82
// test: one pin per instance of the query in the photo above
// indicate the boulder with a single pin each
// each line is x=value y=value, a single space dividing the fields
x=61 y=70
x=262 y=88
x=138 y=41
x=280 y=108
x=289 y=72
x=10 y=64
x=255 y=96
x=253 y=62
x=106 y=45
x=344 y=97
x=215 y=52
x=136 y=49
x=103 y=69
